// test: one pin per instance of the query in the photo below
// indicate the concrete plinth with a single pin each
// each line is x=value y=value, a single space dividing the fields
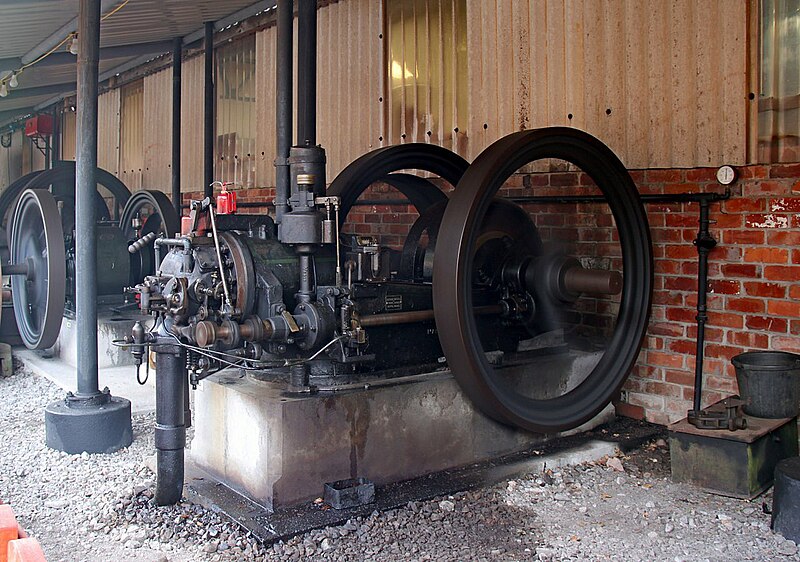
x=279 y=450
x=110 y=326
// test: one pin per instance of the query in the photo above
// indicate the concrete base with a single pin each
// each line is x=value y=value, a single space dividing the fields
x=280 y=450
x=110 y=326
x=98 y=428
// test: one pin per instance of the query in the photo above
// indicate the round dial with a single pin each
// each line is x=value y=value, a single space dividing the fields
x=726 y=175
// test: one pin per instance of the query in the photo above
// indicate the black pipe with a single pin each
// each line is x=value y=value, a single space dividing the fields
x=283 y=106
x=177 y=53
x=646 y=198
x=170 y=432
x=208 y=111
x=85 y=193
x=704 y=243
x=307 y=73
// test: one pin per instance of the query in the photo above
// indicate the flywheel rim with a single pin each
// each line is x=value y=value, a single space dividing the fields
x=45 y=250
x=455 y=322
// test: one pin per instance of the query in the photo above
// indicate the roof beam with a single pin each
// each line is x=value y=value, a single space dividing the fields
x=52 y=40
x=119 y=51
x=12 y=64
x=41 y=90
x=237 y=16
x=11 y=115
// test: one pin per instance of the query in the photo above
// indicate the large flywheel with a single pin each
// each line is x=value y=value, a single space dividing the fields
x=572 y=318
x=38 y=268
x=386 y=164
x=147 y=212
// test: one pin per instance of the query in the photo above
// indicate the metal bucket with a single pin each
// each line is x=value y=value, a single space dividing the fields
x=769 y=381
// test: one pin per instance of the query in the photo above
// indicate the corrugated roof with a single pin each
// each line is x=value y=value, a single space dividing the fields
x=30 y=28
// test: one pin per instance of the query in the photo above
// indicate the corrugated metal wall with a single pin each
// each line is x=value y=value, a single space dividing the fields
x=157 y=172
x=191 y=122
x=656 y=84
x=664 y=85
x=131 y=134
x=68 y=125
x=350 y=104
x=108 y=131
x=235 y=112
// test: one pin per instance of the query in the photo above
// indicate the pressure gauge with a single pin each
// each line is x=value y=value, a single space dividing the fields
x=726 y=175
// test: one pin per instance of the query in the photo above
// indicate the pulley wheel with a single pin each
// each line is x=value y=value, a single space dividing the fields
x=379 y=164
x=154 y=213
x=38 y=241
x=515 y=400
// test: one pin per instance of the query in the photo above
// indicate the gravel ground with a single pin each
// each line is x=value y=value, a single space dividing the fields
x=99 y=507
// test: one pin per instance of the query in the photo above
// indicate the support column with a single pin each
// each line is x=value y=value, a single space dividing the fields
x=208 y=111
x=90 y=420
x=283 y=106
x=177 y=52
x=307 y=73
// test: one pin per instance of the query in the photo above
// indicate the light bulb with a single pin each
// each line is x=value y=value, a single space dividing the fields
x=13 y=82
x=3 y=90
x=73 y=45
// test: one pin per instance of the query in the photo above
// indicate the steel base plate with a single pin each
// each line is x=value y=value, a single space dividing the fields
x=102 y=428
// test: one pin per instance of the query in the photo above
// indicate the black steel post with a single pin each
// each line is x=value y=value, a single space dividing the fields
x=56 y=135
x=170 y=432
x=704 y=243
x=85 y=193
x=177 y=52
x=307 y=73
x=283 y=106
x=91 y=420
x=208 y=111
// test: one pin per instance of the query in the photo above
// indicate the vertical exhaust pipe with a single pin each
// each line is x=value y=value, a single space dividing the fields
x=283 y=106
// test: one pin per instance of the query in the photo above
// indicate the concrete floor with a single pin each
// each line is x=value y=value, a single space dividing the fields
x=120 y=380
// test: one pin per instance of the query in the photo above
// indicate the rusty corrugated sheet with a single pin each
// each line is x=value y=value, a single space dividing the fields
x=157 y=173
x=655 y=84
x=108 y=130
x=68 y=125
x=235 y=112
x=131 y=134
x=349 y=81
x=192 y=124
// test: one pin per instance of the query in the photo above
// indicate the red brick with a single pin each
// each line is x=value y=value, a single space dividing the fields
x=726 y=320
x=740 y=270
x=712 y=334
x=785 y=171
x=680 y=252
x=564 y=179
x=629 y=410
x=782 y=273
x=684 y=378
x=680 y=220
x=743 y=237
x=721 y=351
x=751 y=172
x=721 y=287
x=722 y=384
x=668 y=298
x=767 y=221
x=741 y=205
x=667 y=266
x=749 y=340
x=681 y=315
x=701 y=175
x=685 y=347
x=785 y=205
x=783 y=238
x=728 y=221
x=680 y=283
x=782 y=343
x=662 y=359
x=647 y=401
x=794 y=292
x=771 y=290
x=745 y=305
x=784 y=308
x=665 y=329
x=661 y=176
x=767 y=324
x=766 y=255
x=663 y=389
x=795 y=327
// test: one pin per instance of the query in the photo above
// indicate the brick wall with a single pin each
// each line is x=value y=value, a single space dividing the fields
x=754 y=272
